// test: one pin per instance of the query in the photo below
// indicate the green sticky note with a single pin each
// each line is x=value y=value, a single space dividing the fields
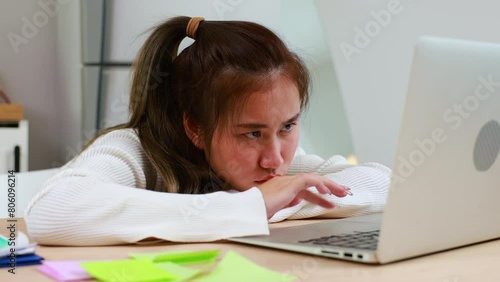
x=182 y=273
x=3 y=242
x=180 y=257
x=127 y=271
x=234 y=267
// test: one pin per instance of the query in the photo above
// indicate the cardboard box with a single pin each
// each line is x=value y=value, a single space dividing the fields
x=11 y=112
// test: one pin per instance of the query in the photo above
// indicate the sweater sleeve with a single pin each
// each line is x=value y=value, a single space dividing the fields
x=99 y=198
x=369 y=183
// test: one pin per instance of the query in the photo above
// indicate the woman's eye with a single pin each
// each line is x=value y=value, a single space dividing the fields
x=253 y=134
x=288 y=127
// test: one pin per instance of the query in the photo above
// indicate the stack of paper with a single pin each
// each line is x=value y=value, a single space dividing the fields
x=17 y=252
x=157 y=267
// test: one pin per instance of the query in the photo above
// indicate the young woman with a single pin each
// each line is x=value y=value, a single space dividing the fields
x=210 y=150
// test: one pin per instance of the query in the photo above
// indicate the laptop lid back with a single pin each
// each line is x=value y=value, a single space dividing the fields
x=445 y=189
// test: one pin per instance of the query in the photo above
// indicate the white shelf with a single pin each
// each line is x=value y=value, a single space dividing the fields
x=10 y=137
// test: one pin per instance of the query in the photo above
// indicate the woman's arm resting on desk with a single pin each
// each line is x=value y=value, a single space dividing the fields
x=94 y=201
x=82 y=211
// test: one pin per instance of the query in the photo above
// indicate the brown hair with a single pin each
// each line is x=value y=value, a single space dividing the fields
x=209 y=82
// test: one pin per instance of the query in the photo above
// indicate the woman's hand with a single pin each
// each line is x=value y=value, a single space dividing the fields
x=286 y=191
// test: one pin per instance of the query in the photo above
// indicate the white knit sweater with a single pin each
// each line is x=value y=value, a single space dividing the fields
x=100 y=198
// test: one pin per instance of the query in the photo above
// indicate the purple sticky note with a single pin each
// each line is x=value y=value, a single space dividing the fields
x=64 y=270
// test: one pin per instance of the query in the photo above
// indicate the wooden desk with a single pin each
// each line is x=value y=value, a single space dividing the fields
x=479 y=262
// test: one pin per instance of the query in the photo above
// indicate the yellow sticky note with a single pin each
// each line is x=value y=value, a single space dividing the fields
x=136 y=270
x=234 y=267
x=182 y=273
x=185 y=257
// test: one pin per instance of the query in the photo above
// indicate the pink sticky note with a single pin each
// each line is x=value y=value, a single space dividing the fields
x=64 y=270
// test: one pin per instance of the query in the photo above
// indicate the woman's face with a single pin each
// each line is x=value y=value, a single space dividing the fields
x=262 y=143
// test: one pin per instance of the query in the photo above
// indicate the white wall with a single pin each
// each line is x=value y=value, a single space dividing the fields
x=373 y=80
x=29 y=72
x=45 y=73
x=324 y=128
x=68 y=82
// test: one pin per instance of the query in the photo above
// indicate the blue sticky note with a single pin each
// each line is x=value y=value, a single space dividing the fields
x=22 y=260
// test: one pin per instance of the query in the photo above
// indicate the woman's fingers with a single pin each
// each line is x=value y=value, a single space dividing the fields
x=336 y=189
x=315 y=199
x=323 y=189
x=323 y=185
x=288 y=191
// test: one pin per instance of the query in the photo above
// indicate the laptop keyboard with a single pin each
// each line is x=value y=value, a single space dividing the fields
x=359 y=240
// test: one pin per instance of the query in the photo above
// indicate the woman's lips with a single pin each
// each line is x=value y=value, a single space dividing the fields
x=267 y=178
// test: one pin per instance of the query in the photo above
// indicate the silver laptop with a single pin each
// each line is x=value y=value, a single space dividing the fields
x=445 y=187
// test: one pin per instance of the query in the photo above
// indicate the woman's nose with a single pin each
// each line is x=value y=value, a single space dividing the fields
x=271 y=156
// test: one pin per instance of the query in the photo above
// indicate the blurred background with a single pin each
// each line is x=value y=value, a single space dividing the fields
x=68 y=63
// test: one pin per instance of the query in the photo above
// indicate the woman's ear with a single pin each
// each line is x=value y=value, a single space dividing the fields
x=193 y=131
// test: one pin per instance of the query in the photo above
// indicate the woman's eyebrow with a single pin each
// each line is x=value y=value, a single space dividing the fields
x=260 y=125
